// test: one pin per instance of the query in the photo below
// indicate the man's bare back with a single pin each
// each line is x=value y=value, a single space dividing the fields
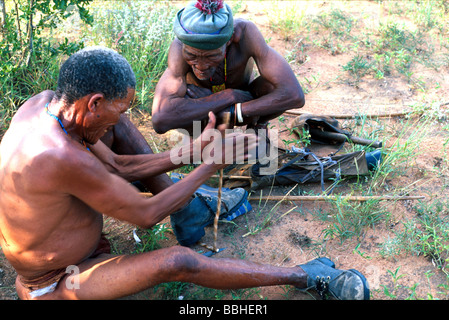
x=43 y=228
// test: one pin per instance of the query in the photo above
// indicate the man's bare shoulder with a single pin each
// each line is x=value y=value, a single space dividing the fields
x=244 y=30
x=41 y=159
x=68 y=159
x=175 y=61
x=39 y=99
x=32 y=106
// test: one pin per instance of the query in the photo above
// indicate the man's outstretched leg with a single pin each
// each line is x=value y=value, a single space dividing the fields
x=112 y=277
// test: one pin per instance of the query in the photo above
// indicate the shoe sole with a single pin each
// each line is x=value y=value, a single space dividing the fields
x=366 y=291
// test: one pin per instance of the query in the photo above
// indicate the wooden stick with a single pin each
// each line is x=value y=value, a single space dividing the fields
x=233 y=177
x=321 y=198
x=381 y=115
x=324 y=198
x=350 y=116
x=217 y=214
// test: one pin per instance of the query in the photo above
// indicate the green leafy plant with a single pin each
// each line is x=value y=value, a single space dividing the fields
x=142 y=33
x=358 y=67
x=149 y=239
x=29 y=58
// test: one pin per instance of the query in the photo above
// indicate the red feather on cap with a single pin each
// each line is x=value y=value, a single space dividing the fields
x=209 y=6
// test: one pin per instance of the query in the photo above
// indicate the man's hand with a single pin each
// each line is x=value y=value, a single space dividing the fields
x=195 y=92
x=204 y=139
x=220 y=150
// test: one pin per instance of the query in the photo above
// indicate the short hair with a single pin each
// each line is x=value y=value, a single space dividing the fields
x=95 y=70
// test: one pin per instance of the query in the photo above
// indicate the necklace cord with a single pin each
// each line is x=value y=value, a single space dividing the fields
x=60 y=123
x=55 y=117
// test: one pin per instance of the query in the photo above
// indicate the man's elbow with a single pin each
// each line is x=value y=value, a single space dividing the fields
x=148 y=224
x=160 y=123
x=154 y=215
x=300 y=101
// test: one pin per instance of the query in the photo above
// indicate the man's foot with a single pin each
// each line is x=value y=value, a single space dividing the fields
x=234 y=202
x=189 y=222
x=341 y=284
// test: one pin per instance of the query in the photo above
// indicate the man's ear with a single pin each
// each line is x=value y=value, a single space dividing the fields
x=94 y=101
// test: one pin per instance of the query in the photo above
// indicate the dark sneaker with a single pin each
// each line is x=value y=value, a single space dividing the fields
x=340 y=284
x=234 y=202
x=189 y=222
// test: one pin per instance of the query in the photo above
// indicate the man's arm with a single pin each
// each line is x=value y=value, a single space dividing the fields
x=140 y=166
x=91 y=183
x=285 y=92
x=172 y=105
x=83 y=176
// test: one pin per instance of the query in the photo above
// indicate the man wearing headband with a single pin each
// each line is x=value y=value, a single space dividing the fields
x=210 y=68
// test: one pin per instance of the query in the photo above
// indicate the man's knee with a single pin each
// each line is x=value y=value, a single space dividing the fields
x=127 y=139
x=182 y=260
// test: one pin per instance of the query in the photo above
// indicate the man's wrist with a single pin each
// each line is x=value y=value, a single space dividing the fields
x=233 y=119
x=238 y=113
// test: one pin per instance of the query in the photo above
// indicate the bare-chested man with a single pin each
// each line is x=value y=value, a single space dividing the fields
x=210 y=68
x=54 y=192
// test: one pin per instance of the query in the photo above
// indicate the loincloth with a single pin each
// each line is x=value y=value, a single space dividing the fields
x=47 y=282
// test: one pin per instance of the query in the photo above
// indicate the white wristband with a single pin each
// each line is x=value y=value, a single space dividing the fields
x=239 y=112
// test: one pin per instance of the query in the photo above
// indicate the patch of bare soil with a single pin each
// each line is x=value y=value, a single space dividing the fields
x=298 y=237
